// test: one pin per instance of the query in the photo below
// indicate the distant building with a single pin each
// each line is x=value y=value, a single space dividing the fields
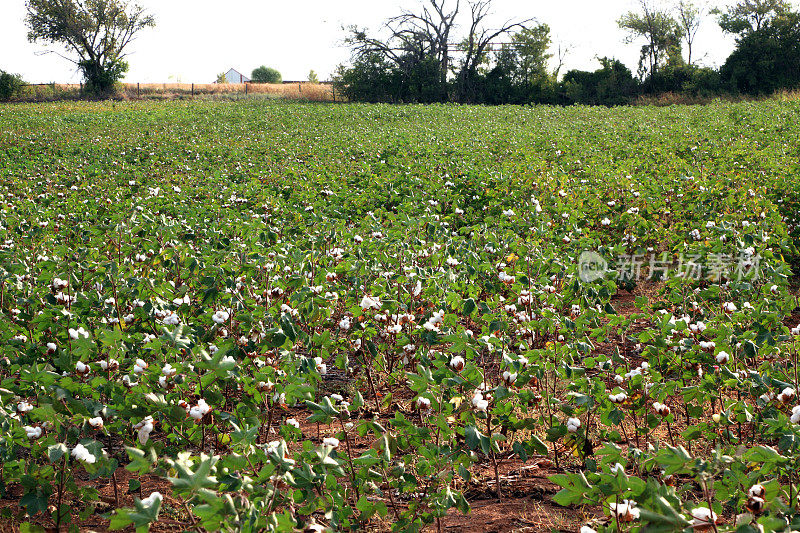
x=234 y=76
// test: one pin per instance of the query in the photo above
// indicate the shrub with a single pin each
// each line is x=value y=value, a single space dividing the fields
x=10 y=85
x=264 y=74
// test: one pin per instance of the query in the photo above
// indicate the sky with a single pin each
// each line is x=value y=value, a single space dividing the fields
x=194 y=40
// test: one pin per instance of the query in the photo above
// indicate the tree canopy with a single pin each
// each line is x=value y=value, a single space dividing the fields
x=95 y=34
x=265 y=74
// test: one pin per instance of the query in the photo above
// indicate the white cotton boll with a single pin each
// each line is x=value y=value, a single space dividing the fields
x=723 y=358
x=573 y=424
x=81 y=368
x=587 y=529
x=153 y=499
x=757 y=491
x=139 y=367
x=168 y=370
x=331 y=442
x=626 y=510
x=344 y=324
x=292 y=422
x=24 y=407
x=82 y=454
x=509 y=377
x=145 y=427
x=703 y=516
x=75 y=334
x=33 y=433
x=786 y=395
x=220 y=317
x=617 y=468
x=369 y=302
x=795 y=418
x=457 y=363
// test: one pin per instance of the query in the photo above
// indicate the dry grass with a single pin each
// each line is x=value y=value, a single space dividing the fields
x=670 y=98
x=317 y=92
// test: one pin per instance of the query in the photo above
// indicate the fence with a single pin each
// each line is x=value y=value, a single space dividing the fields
x=316 y=92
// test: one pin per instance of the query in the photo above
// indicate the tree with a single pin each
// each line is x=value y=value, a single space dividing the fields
x=751 y=15
x=419 y=47
x=478 y=42
x=10 y=85
x=264 y=74
x=221 y=78
x=766 y=59
x=312 y=77
x=97 y=32
x=415 y=41
x=611 y=85
x=689 y=18
x=660 y=31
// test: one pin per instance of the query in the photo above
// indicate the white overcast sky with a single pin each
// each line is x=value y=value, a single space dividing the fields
x=196 y=39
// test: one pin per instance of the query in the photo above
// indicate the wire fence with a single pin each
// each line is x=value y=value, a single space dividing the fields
x=307 y=91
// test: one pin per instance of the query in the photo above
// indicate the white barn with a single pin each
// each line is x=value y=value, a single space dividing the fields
x=234 y=76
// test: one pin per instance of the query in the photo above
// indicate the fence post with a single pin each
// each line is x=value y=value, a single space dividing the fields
x=333 y=89
x=245 y=89
x=138 y=90
x=299 y=88
x=193 y=90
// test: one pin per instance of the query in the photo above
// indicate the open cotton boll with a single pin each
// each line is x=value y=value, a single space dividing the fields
x=200 y=410
x=32 y=432
x=369 y=302
x=331 y=441
x=220 y=317
x=96 y=422
x=626 y=510
x=151 y=500
x=145 y=427
x=703 y=517
x=139 y=367
x=82 y=454
x=573 y=424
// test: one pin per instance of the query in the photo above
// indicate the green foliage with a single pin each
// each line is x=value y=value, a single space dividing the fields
x=10 y=85
x=748 y=16
x=95 y=32
x=264 y=74
x=611 y=85
x=659 y=30
x=312 y=77
x=352 y=323
x=766 y=59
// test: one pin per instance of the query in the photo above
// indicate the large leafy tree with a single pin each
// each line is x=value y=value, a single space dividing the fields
x=766 y=59
x=95 y=33
x=660 y=31
x=265 y=74
x=749 y=16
